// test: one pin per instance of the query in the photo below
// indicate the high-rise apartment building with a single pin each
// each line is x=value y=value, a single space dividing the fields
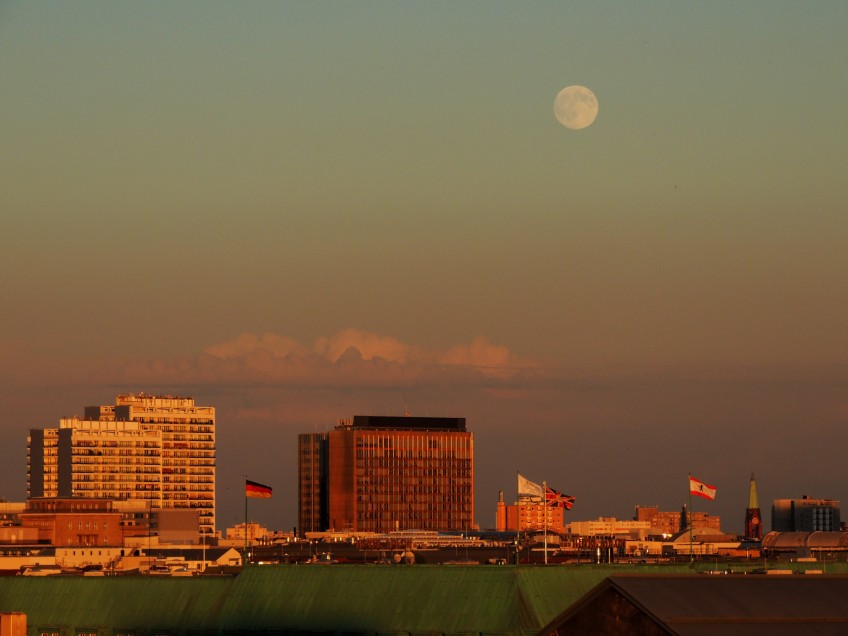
x=159 y=450
x=382 y=473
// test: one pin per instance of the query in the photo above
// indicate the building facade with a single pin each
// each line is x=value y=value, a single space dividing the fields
x=157 y=450
x=313 y=481
x=528 y=515
x=610 y=526
x=382 y=473
x=805 y=515
x=74 y=522
x=672 y=523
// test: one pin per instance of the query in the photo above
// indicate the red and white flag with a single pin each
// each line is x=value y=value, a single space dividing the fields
x=699 y=488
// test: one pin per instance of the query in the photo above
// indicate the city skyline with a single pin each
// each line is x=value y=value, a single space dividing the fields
x=304 y=212
x=91 y=419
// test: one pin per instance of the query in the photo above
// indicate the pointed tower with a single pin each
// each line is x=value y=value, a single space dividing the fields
x=753 y=519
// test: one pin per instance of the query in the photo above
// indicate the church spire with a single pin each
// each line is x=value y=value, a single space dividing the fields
x=753 y=519
x=752 y=493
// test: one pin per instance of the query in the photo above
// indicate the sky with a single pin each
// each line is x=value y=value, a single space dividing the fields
x=300 y=212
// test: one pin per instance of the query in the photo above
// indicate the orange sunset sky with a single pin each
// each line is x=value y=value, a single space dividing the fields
x=298 y=212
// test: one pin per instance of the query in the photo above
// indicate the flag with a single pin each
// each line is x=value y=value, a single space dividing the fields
x=555 y=499
x=253 y=489
x=697 y=487
x=527 y=488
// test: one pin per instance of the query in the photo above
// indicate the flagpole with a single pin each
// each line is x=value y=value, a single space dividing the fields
x=245 y=519
x=545 y=512
x=691 y=557
x=518 y=528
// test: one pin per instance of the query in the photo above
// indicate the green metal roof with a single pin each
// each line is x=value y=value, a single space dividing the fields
x=365 y=599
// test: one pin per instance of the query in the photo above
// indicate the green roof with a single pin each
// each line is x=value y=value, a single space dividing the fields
x=363 y=599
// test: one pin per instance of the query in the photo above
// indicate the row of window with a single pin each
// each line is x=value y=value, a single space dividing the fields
x=397 y=480
x=413 y=454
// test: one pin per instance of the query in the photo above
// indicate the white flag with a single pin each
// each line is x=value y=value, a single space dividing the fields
x=527 y=488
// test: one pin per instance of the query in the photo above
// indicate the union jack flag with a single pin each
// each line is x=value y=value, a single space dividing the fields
x=556 y=499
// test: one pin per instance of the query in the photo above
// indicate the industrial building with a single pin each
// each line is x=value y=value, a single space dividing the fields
x=384 y=473
x=157 y=450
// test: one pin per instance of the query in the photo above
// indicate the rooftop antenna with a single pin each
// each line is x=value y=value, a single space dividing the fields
x=406 y=411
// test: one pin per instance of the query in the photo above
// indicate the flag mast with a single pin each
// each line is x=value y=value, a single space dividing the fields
x=545 y=513
x=245 y=518
x=518 y=526
x=689 y=513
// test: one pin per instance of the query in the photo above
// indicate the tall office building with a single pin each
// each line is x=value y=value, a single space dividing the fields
x=158 y=450
x=380 y=473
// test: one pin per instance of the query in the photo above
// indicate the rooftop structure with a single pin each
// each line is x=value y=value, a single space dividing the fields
x=696 y=604
x=458 y=600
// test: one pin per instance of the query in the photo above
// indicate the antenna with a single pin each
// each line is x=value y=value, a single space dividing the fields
x=406 y=411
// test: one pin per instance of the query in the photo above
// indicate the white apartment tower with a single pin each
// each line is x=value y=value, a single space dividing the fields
x=155 y=450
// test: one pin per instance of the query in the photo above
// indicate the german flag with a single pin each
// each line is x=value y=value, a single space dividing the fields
x=253 y=489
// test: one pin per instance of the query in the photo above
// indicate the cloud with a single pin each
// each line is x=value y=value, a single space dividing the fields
x=350 y=358
x=247 y=343
x=369 y=345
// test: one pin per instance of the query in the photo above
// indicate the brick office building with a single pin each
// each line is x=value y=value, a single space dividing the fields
x=74 y=521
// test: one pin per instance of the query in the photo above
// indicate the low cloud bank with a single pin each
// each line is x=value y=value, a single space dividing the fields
x=349 y=358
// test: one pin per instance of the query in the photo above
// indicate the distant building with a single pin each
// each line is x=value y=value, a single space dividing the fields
x=671 y=523
x=80 y=521
x=250 y=533
x=74 y=522
x=820 y=545
x=610 y=526
x=159 y=450
x=805 y=515
x=9 y=511
x=382 y=473
x=528 y=515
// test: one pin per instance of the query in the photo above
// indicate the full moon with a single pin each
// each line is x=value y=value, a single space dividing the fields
x=576 y=107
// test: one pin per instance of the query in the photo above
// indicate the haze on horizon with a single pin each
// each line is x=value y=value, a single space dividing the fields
x=301 y=212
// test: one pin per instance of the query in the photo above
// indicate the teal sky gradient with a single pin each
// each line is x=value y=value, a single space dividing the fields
x=173 y=175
